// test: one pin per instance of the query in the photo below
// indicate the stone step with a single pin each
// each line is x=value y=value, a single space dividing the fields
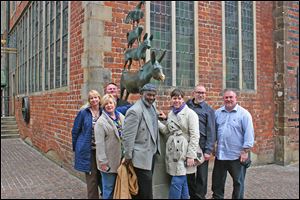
x=9 y=136
x=9 y=126
x=4 y=119
x=8 y=122
x=9 y=131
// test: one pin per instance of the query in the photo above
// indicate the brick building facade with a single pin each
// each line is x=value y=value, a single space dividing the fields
x=96 y=38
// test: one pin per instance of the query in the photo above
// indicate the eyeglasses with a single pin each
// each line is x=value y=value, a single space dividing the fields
x=199 y=92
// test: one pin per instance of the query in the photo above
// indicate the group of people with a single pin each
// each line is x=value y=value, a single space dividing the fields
x=109 y=131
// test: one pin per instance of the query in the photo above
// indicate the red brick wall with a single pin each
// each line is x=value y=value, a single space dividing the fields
x=210 y=50
x=19 y=9
x=52 y=113
x=292 y=65
x=117 y=29
x=259 y=103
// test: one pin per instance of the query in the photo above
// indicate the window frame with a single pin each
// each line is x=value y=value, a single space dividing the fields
x=240 y=87
x=173 y=48
x=32 y=67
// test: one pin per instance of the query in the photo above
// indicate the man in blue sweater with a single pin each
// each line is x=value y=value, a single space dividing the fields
x=122 y=106
x=197 y=182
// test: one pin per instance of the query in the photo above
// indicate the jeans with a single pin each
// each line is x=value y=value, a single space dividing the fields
x=197 y=182
x=179 y=188
x=108 y=184
x=236 y=171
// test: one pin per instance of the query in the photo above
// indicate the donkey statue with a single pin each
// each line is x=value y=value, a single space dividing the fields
x=134 y=35
x=136 y=14
x=139 y=52
x=133 y=81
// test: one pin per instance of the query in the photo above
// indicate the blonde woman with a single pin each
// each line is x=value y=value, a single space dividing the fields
x=83 y=141
x=108 y=134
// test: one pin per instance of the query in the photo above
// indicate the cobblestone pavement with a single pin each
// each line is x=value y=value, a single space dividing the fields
x=267 y=182
x=27 y=174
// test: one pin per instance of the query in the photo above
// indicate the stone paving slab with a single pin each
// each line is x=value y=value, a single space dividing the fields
x=266 y=182
x=27 y=174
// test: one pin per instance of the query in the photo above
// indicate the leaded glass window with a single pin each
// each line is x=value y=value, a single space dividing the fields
x=185 y=63
x=41 y=19
x=52 y=19
x=57 y=46
x=42 y=43
x=239 y=45
x=47 y=45
x=232 y=44
x=247 y=42
x=64 y=67
x=179 y=67
x=161 y=20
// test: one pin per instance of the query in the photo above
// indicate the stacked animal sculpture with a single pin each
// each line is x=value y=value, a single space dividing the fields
x=133 y=81
x=136 y=14
x=139 y=52
x=134 y=35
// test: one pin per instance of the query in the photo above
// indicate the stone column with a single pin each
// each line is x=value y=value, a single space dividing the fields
x=95 y=43
x=285 y=81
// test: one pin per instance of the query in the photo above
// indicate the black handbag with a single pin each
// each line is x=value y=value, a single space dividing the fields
x=246 y=163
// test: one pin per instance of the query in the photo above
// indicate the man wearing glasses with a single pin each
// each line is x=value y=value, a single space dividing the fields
x=197 y=182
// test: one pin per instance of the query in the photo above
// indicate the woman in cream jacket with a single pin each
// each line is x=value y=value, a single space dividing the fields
x=183 y=129
x=108 y=135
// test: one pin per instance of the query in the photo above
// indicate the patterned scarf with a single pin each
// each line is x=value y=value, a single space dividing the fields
x=117 y=122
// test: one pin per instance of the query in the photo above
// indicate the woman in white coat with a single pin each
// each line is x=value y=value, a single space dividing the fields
x=181 y=148
x=108 y=135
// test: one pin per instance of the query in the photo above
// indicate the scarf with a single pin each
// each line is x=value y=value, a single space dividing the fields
x=117 y=122
x=177 y=110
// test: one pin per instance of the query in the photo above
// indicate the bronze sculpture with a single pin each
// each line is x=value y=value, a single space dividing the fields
x=134 y=35
x=139 y=52
x=133 y=81
x=136 y=14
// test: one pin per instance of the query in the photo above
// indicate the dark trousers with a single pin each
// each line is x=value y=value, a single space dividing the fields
x=93 y=179
x=236 y=171
x=144 y=178
x=197 y=182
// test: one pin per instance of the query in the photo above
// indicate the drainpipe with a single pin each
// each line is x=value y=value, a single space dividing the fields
x=3 y=106
x=7 y=55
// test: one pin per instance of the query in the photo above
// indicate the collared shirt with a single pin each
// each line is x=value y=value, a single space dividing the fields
x=235 y=132
x=206 y=117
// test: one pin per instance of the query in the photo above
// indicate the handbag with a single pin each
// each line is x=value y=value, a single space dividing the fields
x=200 y=157
x=247 y=162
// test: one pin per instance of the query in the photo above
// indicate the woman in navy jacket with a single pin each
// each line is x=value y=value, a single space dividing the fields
x=83 y=142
